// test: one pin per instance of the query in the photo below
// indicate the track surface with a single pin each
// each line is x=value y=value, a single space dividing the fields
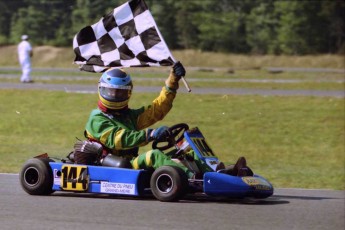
x=73 y=88
x=286 y=209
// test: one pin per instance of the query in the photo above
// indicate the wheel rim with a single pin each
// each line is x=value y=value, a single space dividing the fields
x=164 y=183
x=31 y=176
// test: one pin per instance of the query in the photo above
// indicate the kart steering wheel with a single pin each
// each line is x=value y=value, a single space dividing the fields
x=175 y=135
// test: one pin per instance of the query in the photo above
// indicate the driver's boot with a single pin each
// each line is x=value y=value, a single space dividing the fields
x=240 y=168
x=220 y=166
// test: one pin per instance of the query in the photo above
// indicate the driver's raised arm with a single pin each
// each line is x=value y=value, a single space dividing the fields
x=163 y=103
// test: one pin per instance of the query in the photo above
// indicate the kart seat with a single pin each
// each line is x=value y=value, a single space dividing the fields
x=116 y=161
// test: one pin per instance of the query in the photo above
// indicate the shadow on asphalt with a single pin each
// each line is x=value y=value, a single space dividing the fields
x=305 y=197
x=188 y=199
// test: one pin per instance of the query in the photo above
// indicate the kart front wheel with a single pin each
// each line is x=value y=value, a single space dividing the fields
x=169 y=183
x=36 y=177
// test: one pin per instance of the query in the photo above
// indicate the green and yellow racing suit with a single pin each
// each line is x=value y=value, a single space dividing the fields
x=123 y=132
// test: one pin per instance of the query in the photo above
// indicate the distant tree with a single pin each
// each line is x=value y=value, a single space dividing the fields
x=333 y=13
x=222 y=25
x=164 y=13
x=187 y=37
x=88 y=12
x=7 y=9
x=245 y=26
x=261 y=25
x=46 y=22
x=26 y=21
x=302 y=30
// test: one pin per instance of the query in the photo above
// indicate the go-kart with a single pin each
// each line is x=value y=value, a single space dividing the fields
x=43 y=175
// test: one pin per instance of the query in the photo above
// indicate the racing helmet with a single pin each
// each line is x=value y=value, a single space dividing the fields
x=114 y=89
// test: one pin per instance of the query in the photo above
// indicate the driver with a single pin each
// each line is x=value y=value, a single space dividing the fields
x=122 y=130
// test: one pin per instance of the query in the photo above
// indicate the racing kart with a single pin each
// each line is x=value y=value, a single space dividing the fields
x=43 y=175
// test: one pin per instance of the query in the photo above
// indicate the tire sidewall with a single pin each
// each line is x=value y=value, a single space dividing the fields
x=179 y=183
x=42 y=182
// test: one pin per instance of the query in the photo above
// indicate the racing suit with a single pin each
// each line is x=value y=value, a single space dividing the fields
x=24 y=55
x=123 y=132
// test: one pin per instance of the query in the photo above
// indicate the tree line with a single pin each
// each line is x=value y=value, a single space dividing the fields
x=230 y=26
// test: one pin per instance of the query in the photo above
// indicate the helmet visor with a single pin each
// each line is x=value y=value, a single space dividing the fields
x=113 y=94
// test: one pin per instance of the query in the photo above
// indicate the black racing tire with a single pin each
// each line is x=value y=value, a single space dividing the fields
x=36 y=177
x=169 y=183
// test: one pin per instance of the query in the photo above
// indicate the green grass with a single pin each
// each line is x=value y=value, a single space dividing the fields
x=293 y=141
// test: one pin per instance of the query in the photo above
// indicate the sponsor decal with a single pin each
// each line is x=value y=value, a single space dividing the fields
x=57 y=178
x=118 y=188
x=257 y=183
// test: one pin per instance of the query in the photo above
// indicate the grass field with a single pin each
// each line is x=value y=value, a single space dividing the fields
x=293 y=141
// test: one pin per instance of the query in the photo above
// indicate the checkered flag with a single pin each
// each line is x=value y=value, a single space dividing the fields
x=126 y=37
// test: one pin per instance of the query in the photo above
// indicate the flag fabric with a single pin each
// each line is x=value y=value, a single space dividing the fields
x=126 y=37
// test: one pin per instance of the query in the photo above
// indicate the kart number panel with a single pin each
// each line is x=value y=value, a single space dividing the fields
x=74 y=178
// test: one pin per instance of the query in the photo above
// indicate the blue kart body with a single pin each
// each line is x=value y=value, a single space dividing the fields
x=98 y=179
x=122 y=181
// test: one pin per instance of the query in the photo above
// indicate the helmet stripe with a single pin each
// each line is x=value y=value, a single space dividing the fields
x=103 y=84
x=113 y=105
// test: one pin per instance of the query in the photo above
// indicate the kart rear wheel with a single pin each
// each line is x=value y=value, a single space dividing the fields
x=36 y=177
x=169 y=183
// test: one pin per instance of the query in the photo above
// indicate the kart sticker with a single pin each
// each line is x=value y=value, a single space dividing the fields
x=202 y=146
x=257 y=183
x=57 y=178
x=74 y=178
x=118 y=188
x=212 y=163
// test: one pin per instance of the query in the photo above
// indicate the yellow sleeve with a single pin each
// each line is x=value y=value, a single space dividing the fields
x=157 y=110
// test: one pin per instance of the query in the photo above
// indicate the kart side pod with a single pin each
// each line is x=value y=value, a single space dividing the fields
x=96 y=179
x=220 y=184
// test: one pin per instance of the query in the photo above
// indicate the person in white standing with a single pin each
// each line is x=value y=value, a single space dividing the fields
x=24 y=54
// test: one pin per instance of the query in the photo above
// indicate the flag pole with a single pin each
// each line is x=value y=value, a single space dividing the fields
x=182 y=77
x=186 y=84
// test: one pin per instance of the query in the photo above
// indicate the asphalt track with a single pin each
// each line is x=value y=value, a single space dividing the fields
x=287 y=209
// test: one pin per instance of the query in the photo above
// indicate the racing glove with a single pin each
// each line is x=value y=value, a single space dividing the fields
x=177 y=71
x=159 y=134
